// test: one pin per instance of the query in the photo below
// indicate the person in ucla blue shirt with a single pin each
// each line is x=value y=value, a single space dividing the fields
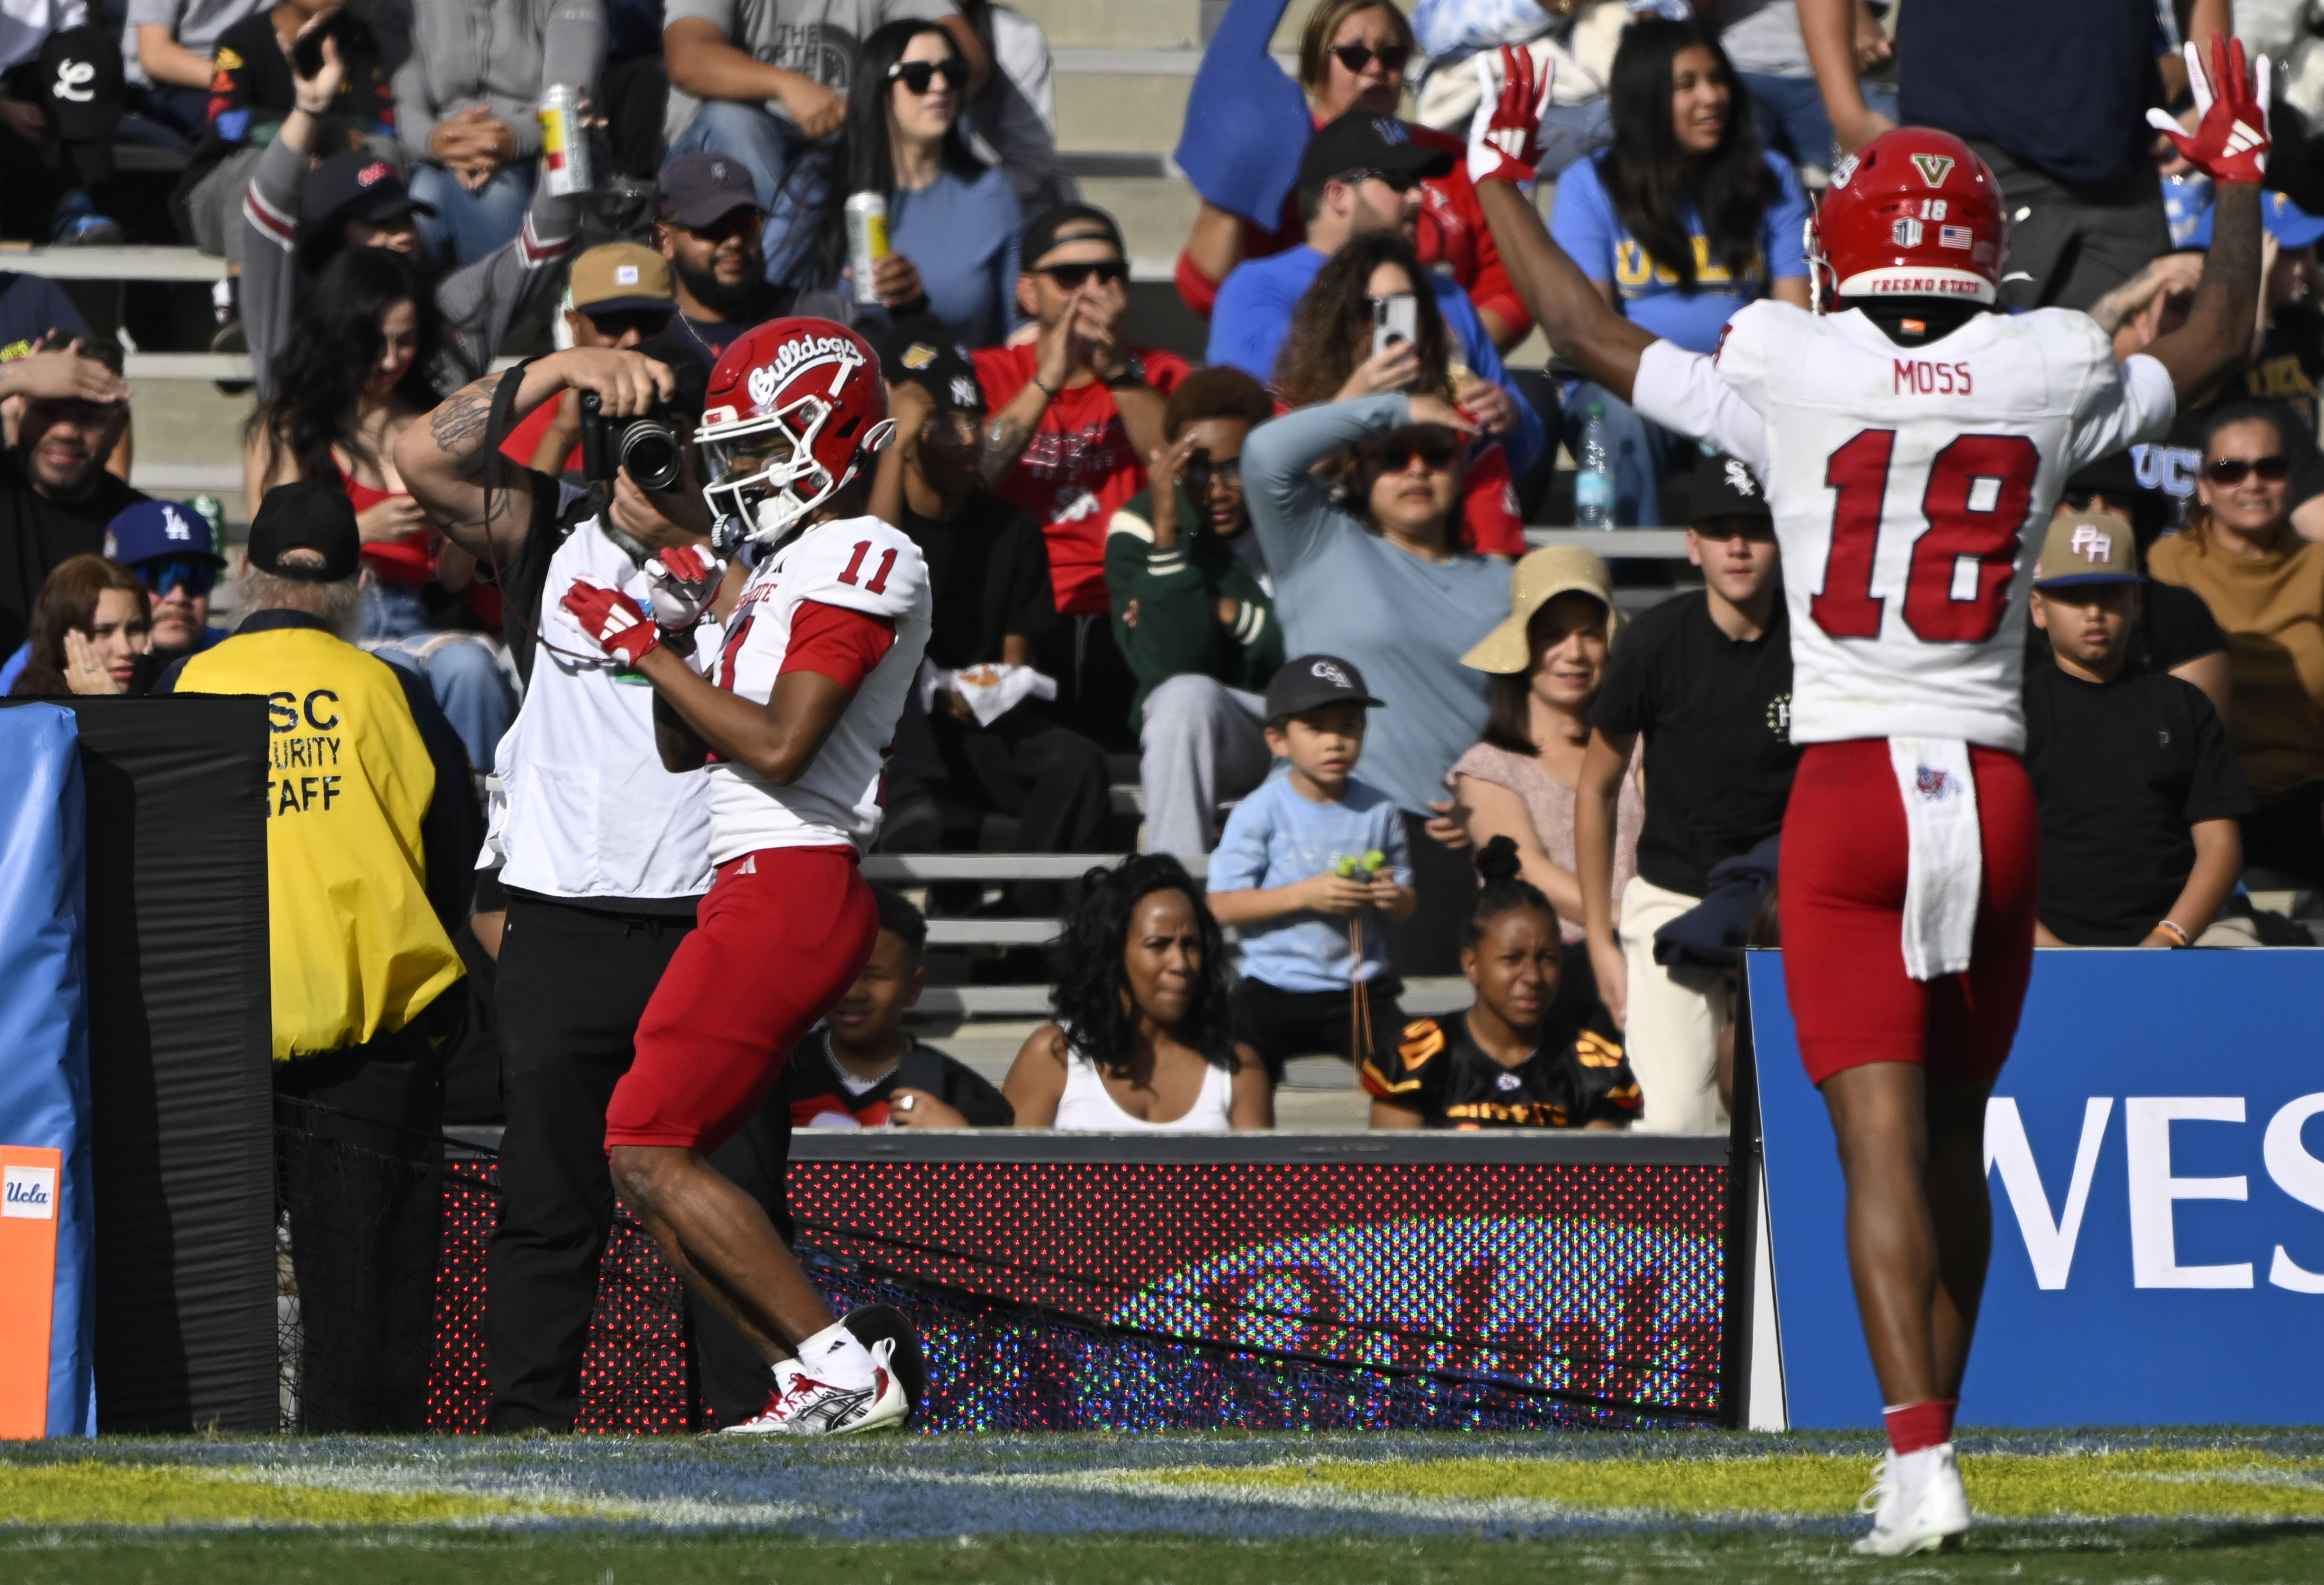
x=1682 y=222
x=170 y=547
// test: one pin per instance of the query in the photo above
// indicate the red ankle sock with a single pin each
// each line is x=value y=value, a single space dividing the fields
x=1925 y=1424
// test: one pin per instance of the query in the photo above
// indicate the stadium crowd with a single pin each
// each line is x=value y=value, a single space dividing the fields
x=1290 y=585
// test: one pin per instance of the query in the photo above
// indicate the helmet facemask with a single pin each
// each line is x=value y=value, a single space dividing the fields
x=765 y=477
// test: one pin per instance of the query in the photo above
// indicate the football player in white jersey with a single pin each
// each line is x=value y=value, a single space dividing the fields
x=793 y=723
x=1908 y=437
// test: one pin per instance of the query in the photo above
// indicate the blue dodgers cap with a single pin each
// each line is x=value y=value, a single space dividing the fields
x=152 y=529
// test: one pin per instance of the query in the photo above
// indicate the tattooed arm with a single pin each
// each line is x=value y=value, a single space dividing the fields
x=444 y=465
x=1057 y=356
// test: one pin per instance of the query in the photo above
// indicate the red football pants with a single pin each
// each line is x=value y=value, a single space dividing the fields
x=783 y=934
x=1842 y=890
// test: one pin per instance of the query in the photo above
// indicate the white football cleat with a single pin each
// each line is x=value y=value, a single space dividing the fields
x=804 y=1406
x=1912 y=1519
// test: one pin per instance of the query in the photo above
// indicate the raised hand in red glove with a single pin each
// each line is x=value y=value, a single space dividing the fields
x=2229 y=144
x=684 y=581
x=1505 y=136
x=613 y=619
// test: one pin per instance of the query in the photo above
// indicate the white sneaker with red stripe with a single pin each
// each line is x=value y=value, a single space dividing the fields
x=804 y=1405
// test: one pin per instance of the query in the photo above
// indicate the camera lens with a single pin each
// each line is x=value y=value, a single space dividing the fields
x=649 y=451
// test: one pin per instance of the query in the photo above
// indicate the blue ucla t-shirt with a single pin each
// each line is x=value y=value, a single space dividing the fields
x=1276 y=837
x=1583 y=220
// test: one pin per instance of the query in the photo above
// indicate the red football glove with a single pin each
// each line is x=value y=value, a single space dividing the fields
x=2230 y=142
x=613 y=619
x=1505 y=136
x=684 y=581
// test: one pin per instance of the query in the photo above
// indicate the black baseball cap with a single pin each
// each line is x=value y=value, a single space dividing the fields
x=307 y=514
x=699 y=190
x=921 y=350
x=86 y=85
x=356 y=185
x=1361 y=141
x=1090 y=222
x=1724 y=487
x=1314 y=681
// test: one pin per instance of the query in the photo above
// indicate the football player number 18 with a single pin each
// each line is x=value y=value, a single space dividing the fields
x=1979 y=487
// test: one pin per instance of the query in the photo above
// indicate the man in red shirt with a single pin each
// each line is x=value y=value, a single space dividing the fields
x=1074 y=416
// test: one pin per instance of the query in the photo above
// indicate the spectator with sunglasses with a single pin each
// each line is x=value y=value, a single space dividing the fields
x=2265 y=585
x=56 y=496
x=1360 y=176
x=1366 y=566
x=760 y=81
x=953 y=222
x=619 y=296
x=1193 y=612
x=1075 y=414
x=1353 y=55
x=169 y=546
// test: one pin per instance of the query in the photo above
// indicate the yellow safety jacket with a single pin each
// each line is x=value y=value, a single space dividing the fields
x=357 y=950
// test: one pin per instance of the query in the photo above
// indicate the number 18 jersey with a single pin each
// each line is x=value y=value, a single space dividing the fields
x=1910 y=488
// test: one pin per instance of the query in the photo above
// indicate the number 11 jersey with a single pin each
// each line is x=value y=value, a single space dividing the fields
x=1910 y=488
x=848 y=599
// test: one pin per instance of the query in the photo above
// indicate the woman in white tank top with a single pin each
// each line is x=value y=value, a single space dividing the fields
x=1140 y=1041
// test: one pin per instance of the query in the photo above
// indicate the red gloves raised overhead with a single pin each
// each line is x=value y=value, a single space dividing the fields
x=2229 y=144
x=1505 y=136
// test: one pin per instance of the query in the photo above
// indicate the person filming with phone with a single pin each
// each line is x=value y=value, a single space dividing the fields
x=1360 y=177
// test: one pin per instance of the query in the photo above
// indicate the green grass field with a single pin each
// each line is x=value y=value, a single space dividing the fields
x=1344 y=1509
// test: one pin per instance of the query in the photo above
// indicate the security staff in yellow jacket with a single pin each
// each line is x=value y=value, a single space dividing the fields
x=371 y=841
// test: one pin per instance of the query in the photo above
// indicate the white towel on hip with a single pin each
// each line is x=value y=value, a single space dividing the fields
x=1947 y=859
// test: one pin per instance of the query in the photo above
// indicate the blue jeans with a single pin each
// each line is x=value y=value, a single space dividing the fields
x=463 y=669
x=1790 y=117
x=470 y=226
x=1643 y=451
x=763 y=143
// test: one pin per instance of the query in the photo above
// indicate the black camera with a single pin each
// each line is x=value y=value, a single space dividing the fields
x=649 y=447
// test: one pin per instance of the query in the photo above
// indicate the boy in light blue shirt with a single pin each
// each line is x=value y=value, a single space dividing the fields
x=1308 y=867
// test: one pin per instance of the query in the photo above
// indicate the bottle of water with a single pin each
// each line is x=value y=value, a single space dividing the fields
x=1593 y=486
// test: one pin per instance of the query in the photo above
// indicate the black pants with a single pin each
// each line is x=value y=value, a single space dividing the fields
x=2288 y=835
x=2072 y=246
x=1094 y=683
x=1051 y=779
x=635 y=93
x=573 y=983
x=1280 y=1024
x=1428 y=941
x=359 y=1168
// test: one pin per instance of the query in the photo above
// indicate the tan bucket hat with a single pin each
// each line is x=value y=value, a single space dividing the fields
x=1540 y=578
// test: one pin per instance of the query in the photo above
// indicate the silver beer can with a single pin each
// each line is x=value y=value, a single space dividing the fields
x=564 y=141
x=867 y=241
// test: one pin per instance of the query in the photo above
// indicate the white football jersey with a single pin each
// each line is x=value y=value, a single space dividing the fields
x=859 y=564
x=1910 y=488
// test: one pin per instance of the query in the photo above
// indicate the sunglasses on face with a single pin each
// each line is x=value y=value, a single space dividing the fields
x=165 y=578
x=1069 y=277
x=1356 y=57
x=2233 y=470
x=648 y=323
x=1396 y=457
x=916 y=75
x=1202 y=470
x=1396 y=181
x=743 y=223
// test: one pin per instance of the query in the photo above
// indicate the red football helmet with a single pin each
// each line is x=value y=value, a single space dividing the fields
x=794 y=407
x=1914 y=213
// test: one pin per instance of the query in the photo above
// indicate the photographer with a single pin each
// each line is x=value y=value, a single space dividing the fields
x=606 y=852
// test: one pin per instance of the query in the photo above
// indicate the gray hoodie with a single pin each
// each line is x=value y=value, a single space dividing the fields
x=495 y=55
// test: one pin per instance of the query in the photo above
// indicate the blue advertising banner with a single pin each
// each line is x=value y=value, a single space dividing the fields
x=2156 y=1163
x=44 y=1084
